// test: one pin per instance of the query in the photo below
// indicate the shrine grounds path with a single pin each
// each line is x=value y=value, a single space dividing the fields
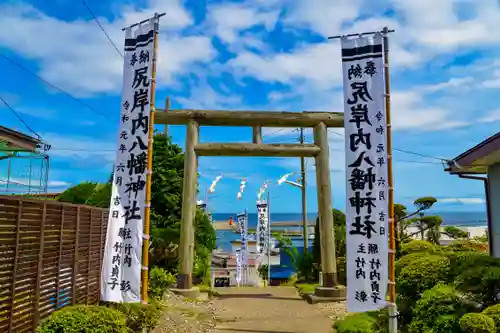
x=267 y=310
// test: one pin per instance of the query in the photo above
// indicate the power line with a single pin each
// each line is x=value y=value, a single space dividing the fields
x=406 y=151
x=102 y=28
x=53 y=85
x=20 y=118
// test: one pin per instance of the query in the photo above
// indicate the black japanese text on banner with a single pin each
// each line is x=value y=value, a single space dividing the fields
x=243 y=223
x=262 y=225
x=366 y=173
x=121 y=269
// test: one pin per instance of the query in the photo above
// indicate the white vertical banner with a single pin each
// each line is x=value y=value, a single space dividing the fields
x=366 y=173
x=243 y=223
x=122 y=262
x=262 y=225
x=238 y=266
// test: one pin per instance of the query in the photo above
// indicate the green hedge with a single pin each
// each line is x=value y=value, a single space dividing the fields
x=417 y=246
x=356 y=323
x=477 y=323
x=159 y=281
x=88 y=319
x=438 y=311
x=494 y=313
x=139 y=317
x=422 y=273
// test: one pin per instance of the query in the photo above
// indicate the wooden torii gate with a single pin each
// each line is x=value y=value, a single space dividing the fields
x=319 y=121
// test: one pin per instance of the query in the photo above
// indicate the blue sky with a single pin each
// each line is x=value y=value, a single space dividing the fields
x=262 y=55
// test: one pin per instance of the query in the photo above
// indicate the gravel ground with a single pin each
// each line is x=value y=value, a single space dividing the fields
x=267 y=310
x=334 y=311
x=187 y=316
x=252 y=310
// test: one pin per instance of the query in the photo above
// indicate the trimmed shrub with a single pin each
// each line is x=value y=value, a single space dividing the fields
x=463 y=260
x=477 y=323
x=494 y=313
x=356 y=323
x=417 y=246
x=408 y=260
x=481 y=283
x=159 y=281
x=81 y=318
x=422 y=273
x=140 y=318
x=467 y=245
x=438 y=311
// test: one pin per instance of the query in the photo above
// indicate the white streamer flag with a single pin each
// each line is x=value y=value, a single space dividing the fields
x=284 y=178
x=243 y=184
x=262 y=225
x=262 y=190
x=211 y=189
x=366 y=171
x=122 y=262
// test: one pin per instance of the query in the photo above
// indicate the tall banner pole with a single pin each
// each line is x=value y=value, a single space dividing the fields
x=268 y=238
x=124 y=269
x=393 y=315
x=369 y=189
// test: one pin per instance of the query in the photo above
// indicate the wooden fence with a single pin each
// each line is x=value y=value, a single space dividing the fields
x=50 y=256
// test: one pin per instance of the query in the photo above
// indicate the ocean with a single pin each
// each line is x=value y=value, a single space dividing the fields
x=224 y=237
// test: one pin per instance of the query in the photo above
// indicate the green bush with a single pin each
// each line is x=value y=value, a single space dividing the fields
x=361 y=322
x=88 y=319
x=481 y=283
x=494 y=313
x=463 y=260
x=341 y=270
x=422 y=273
x=467 y=245
x=417 y=246
x=140 y=317
x=159 y=281
x=438 y=311
x=477 y=323
x=455 y=232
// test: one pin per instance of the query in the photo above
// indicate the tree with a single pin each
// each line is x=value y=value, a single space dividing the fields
x=78 y=194
x=339 y=227
x=402 y=221
x=166 y=202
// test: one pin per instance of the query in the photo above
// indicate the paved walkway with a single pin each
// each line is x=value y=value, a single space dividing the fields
x=267 y=310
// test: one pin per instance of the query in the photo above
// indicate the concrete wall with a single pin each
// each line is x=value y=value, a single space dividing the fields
x=494 y=192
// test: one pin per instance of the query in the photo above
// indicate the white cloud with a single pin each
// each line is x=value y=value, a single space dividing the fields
x=490 y=117
x=80 y=147
x=77 y=56
x=453 y=83
x=58 y=183
x=409 y=112
x=323 y=16
x=316 y=64
x=464 y=201
x=231 y=19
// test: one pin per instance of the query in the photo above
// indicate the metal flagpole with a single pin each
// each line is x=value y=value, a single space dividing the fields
x=393 y=314
x=268 y=239
x=147 y=210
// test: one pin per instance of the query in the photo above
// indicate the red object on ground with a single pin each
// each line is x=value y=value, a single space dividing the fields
x=230 y=220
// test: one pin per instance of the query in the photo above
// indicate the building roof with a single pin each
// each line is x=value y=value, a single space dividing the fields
x=477 y=159
x=11 y=140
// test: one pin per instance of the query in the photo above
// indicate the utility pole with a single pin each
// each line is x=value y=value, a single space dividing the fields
x=303 y=188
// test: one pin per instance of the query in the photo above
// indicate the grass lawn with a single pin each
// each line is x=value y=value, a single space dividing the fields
x=306 y=288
